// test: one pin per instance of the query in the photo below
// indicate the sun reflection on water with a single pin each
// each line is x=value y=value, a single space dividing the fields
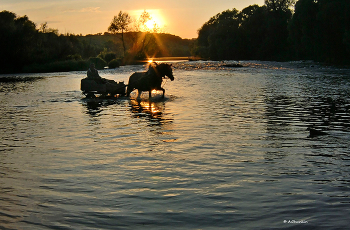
x=147 y=108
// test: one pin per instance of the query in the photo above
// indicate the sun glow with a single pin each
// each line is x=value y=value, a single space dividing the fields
x=151 y=24
x=156 y=22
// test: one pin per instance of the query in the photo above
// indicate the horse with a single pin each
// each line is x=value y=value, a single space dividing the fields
x=150 y=80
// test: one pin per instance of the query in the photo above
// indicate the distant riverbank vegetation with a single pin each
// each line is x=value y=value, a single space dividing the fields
x=26 y=47
x=316 y=30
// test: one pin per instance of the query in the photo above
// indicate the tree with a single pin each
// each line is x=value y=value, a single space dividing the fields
x=320 y=30
x=276 y=5
x=302 y=29
x=17 y=39
x=120 y=24
x=254 y=33
x=141 y=22
x=45 y=29
x=144 y=38
x=332 y=26
x=219 y=38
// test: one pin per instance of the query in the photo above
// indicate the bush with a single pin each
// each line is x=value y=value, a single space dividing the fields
x=59 y=66
x=115 y=63
x=76 y=57
x=99 y=63
x=107 y=56
x=110 y=56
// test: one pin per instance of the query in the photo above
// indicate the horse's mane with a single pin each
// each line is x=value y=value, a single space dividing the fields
x=154 y=67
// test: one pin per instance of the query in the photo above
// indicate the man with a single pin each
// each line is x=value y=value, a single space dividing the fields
x=92 y=74
x=103 y=84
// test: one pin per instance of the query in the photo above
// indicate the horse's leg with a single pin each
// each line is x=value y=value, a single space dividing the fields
x=139 y=94
x=150 y=94
x=163 y=92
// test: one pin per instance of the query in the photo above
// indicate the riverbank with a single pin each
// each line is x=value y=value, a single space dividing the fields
x=82 y=65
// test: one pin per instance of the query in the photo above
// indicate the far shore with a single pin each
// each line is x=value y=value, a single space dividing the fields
x=163 y=59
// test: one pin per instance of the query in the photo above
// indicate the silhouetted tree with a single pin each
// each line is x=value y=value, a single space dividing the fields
x=45 y=29
x=320 y=29
x=144 y=42
x=276 y=39
x=17 y=40
x=279 y=5
x=219 y=38
x=332 y=26
x=302 y=29
x=255 y=32
x=140 y=24
x=120 y=24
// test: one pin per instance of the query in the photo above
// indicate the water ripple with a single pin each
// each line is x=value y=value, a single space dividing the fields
x=227 y=148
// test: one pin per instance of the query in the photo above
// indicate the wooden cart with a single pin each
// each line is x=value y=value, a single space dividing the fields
x=110 y=88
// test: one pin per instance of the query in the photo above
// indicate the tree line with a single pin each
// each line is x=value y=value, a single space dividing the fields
x=26 y=48
x=316 y=30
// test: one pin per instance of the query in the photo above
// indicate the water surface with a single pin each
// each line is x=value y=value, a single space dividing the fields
x=227 y=148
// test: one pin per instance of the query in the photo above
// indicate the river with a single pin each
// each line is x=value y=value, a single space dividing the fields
x=228 y=148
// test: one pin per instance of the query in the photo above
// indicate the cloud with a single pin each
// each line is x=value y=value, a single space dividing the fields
x=84 y=10
x=91 y=9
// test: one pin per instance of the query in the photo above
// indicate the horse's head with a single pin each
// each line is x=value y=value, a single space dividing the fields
x=165 y=70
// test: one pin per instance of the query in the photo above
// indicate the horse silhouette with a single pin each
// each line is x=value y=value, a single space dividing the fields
x=150 y=80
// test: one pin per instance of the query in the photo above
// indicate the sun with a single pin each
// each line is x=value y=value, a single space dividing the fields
x=156 y=21
x=151 y=24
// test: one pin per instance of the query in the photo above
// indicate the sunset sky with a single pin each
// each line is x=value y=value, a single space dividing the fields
x=178 y=17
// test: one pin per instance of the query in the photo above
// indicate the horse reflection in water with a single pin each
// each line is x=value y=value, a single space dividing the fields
x=150 y=80
x=154 y=111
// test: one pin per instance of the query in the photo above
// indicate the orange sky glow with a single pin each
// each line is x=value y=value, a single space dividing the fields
x=182 y=17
